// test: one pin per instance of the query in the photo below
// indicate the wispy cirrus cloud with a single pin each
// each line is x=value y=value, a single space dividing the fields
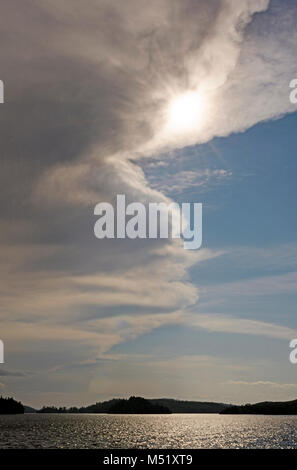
x=263 y=383
x=179 y=182
x=244 y=326
x=8 y=373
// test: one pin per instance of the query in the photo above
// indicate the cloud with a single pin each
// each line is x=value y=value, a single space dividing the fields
x=244 y=326
x=161 y=283
x=270 y=258
x=266 y=285
x=179 y=182
x=7 y=373
x=262 y=383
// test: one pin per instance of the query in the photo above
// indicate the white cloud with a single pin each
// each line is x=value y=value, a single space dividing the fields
x=265 y=285
x=186 y=179
x=263 y=383
x=228 y=324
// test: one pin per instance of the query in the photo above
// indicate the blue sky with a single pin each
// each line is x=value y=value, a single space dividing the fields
x=250 y=216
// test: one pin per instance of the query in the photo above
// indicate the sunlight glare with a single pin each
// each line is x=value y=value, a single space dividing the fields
x=185 y=112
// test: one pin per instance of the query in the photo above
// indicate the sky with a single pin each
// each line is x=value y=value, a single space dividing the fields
x=88 y=86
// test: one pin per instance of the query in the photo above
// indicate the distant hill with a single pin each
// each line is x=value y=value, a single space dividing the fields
x=99 y=407
x=10 y=406
x=181 y=406
x=265 y=408
x=174 y=406
x=29 y=409
x=137 y=405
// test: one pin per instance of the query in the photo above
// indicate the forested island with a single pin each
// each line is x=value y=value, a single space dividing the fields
x=141 y=405
x=137 y=405
x=174 y=406
x=10 y=406
x=264 y=408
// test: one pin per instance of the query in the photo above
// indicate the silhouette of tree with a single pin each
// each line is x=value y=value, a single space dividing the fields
x=10 y=406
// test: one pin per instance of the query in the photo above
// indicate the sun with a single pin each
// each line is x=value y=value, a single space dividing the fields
x=185 y=112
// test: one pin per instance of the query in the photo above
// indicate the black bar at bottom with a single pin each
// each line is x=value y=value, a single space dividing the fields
x=138 y=458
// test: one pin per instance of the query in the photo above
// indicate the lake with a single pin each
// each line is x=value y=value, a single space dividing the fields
x=147 y=431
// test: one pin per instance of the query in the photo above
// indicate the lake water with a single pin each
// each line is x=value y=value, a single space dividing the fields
x=147 y=431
